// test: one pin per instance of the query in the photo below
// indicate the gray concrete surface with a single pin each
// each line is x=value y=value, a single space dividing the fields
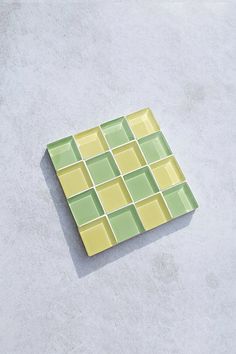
x=65 y=67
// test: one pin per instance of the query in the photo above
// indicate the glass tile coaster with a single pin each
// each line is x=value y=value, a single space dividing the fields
x=120 y=179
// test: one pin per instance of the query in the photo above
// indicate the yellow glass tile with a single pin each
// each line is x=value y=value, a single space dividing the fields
x=113 y=195
x=143 y=123
x=74 y=179
x=97 y=236
x=91 y=142
x=167 y=172
x=128 y=157
x=153 y=211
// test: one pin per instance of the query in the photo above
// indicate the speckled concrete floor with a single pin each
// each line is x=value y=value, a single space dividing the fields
x=67 y=67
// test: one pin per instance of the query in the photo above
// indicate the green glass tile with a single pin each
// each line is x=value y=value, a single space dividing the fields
x=85 y=207
x=63 y=152
x=180 y=200
x=125 y=223
x=141 y=184
x=102 y=168
x=154 y=147
x=117 y=132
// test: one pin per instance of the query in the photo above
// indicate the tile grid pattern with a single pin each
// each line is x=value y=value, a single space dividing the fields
x=146 y=127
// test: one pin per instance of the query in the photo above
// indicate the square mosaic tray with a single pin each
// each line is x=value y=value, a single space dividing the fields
x=120 y=179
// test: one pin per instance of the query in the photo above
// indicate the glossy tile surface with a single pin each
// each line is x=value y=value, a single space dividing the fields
x=180 y=200
x=91 y=143
x=74 y=179
x=85 y=207
x=141 y=183
x=128 y=157
x=120 y=179
x=153 y=211
x=154 y=147
x=143 y=123
x=113 y=194
x=125 y=223
x=97 y=236
x=63 y=152
x=102 y=168
x=117 y=132
x=167 y=172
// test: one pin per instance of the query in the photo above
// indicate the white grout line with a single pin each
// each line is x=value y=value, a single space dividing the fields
x=133 y=203
x=154 y=162
x=154 y=178
x=110 y=150
x=121 y=175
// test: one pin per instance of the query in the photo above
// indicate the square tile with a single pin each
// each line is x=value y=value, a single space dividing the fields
x=128 y=157
x=63 y=152
x=113 y=194
x=153 y=211
x=180 y=200
x=125 y=223
x=85 y=207
x=74 y=179
x=142 y=123
x=167 y=172
x=91 y=142
x=97 y=236
x=154 y=147
x=102 y=168
x=117 y=132
x=141 y=183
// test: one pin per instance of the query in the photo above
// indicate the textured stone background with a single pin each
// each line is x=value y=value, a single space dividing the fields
x=68 y=67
